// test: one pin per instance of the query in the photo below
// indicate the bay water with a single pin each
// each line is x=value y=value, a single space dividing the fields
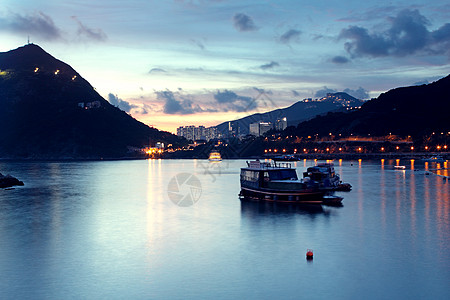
x=176 y=229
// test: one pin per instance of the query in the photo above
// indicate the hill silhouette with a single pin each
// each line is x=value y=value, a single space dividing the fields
x=416 y=111
x=47 y=110
x=297 y=112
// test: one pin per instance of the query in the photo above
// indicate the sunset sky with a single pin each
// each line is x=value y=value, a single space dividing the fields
x=202 y=62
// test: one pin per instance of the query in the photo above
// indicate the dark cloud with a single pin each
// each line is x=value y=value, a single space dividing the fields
x=242 y=22
x=360 y=93
x=340 y=60
x=37 y=25
x=295 y=93
x=89 y=33
x=230 y=101
x=289 y=36
x=123 y=105
x=408 y=34
x=157 y=71
x=183 y=105
x=323 y=92
x=270 y=65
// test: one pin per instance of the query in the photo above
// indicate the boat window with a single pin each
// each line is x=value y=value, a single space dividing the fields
x=283 y=174
x=250 y=175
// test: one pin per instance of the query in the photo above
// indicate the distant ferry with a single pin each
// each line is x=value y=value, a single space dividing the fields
x=399 y=167
x=272 y=182
x=215 y=156
x=435 y=158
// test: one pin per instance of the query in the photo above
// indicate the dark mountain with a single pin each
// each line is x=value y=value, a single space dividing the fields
x=47 y=110
x=414 y=111
x=297 y=112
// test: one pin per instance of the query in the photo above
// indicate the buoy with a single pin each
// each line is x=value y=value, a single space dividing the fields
x=309 y=254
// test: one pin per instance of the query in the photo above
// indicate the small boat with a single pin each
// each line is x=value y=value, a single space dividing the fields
x=215 y=156
x=288 y=157
x=399 y=167
x=324 y=176
x=434 y=158
x=276 y=182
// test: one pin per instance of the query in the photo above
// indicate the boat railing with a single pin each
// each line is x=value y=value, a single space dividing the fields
x=269 y=165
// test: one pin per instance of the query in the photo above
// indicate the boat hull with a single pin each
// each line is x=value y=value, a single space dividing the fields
x=288 y=197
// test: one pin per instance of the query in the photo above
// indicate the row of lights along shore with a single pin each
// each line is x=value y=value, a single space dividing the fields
x=359 y=149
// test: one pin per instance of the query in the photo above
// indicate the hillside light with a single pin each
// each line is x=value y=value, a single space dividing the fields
x=304 y=149
x=328 y=149
x=438 y=147
x=412 y=148
x=35 y=70
x=56 y=72
x=340 y=149
x=445 y=146
x=382 y=148
x=397 y=147
x=426 y=147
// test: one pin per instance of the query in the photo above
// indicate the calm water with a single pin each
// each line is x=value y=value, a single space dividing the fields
x=111 y=230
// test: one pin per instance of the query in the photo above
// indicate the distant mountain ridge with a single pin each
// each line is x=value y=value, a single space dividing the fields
x=297 y=112
x=47 y=110
x=415 y=111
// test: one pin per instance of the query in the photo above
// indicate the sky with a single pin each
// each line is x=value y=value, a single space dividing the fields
x=172 y=63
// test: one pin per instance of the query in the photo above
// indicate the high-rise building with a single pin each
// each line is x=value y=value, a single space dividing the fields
x=259 y=128
x=281 y=124
x=194 y=133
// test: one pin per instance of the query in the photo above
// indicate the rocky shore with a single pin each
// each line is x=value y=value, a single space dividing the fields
x=7 y=181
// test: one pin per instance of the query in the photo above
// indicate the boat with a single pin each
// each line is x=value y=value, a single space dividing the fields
x=215 y=156
x=399 y=167
x=276 y=182
x=287 y=157
x=324 y=176
x=435 y=158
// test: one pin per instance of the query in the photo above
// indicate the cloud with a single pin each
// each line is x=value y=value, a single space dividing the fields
x=157 y=71
x=230 y=101
x=270 y=65
x=242 y=22
x=340 y=60
x=295 y=93
x=408 y=34
x=89 y=33
x=323 y=92
x=183 y=106
x=123 y=105
x=360 y=93
x=37 y=25
x=290 y=35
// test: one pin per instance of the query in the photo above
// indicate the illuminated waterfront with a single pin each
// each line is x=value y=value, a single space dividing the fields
x=108 y=229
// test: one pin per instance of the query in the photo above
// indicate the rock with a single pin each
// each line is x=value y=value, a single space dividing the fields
x=9 y=181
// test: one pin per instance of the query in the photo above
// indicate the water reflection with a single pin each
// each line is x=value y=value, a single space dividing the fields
x=256 y=209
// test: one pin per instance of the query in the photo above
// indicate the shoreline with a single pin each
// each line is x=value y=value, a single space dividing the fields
x=318 y=156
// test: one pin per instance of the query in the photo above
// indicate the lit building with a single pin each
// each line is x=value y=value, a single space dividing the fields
x=194 y=133
x=281 y=124
x=259 y=128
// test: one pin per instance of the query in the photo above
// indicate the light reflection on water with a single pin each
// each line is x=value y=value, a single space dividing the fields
x=108 y=230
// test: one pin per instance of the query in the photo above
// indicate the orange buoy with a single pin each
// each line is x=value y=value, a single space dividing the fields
x=309 y=254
